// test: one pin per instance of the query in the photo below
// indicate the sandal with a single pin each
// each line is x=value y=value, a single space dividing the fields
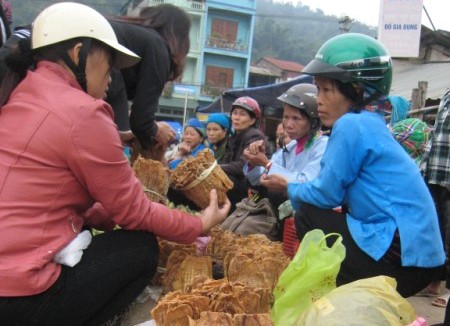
x=441 y=301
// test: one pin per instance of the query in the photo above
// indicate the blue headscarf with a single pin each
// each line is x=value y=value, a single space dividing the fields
x=221 y=119
x=197 y=125
x=400 y=108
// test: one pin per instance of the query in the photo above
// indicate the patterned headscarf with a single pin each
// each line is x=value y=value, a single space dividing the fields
x=381 y=104
x=413 y=134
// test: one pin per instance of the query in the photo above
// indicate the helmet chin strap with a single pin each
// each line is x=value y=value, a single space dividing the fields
x=80 y=70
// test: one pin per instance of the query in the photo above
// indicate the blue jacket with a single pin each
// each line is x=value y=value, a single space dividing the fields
x=302 y=167
x=365 y=168
x=175 y=163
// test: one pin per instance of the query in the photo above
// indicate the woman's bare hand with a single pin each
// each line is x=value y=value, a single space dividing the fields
x=256 y=147
x=126 y=137
x=184 y=148
x=165 y=134
x=213 y=214
x=274 y=182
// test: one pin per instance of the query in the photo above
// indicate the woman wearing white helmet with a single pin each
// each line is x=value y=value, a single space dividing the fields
x=62 y=169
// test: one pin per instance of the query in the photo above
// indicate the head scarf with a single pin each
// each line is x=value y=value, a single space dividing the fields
x=400 y=108
x=221 y=119
x=380 y=104
x=413 y=134
x=197 y=125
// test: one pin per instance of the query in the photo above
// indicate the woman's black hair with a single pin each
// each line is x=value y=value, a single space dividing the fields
x=347 y=89
x=355 y=94
x=173 y=24
x=18 y=62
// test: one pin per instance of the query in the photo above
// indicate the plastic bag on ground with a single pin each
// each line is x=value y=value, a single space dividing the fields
x=310 y=275
x=370 y=301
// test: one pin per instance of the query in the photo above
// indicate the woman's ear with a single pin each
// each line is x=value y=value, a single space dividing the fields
x=358 y=88
x=74 y=53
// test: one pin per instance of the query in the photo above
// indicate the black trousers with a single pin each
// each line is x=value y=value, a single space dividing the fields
x=357 y=264
x=441 y=198
x=238 y=192
x=113 y=271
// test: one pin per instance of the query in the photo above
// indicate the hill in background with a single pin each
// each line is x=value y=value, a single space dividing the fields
x=283 y=31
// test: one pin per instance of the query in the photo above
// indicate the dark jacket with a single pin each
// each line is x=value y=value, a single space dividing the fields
x=232 y=162
x=5 y=23
x=142 y=83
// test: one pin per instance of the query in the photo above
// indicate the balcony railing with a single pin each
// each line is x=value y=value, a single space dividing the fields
x=195 y=5
x=212 y=91
x=214 y=42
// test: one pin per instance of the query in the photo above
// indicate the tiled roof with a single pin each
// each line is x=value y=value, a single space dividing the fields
x=285 y=65
x=262 y=71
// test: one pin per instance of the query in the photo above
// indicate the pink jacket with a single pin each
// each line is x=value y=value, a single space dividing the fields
x=60 y=153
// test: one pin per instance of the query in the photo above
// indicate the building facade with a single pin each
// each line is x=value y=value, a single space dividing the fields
x=219 y=58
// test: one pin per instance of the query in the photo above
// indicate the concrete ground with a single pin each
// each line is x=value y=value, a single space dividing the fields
x=140 y=311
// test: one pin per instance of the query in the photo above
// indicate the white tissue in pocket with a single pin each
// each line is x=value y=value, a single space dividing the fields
x=71 y=254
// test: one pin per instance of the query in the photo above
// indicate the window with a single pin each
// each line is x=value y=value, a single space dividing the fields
x=219 y=76
x=217 y=79
x=224 y=29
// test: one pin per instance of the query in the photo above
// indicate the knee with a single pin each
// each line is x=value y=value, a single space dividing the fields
x=146 y=249
x=299 y=221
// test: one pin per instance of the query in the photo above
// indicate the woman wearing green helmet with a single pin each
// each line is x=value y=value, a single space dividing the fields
x=388 y=220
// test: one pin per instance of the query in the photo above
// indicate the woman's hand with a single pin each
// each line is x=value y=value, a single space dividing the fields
x=126 y=137
x=255 y=153
x=274 y=182
x=213 y=214
x=258 y=159
x=184 y=149
x=165 y=134
x=256 y=147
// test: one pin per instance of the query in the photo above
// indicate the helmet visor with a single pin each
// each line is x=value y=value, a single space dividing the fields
x=319 y=68
x=124 y=57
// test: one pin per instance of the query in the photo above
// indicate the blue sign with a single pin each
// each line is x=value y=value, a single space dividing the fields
x=182 y=89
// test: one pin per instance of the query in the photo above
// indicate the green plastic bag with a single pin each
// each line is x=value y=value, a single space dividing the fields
x=370 y=302
x=310 y=275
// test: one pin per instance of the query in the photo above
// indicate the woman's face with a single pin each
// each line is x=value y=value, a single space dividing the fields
x=215 y=132
x=295 y=124
x=98 y=67
x=192 y=137
x=331 y=104
x=241 y=119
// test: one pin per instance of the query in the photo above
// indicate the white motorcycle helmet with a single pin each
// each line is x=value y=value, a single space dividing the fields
x=68 y=20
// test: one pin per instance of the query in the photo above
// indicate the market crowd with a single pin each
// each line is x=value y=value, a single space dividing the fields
x=66 y=81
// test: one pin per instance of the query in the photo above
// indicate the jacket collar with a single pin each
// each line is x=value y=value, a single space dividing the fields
x=59 y=72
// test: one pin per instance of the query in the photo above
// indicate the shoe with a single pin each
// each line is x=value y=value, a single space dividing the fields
x=441 y=301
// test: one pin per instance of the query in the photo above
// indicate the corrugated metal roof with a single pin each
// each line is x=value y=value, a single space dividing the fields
x=408 y=74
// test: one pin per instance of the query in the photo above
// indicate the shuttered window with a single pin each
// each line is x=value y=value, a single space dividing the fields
x=224 y=29
x=219 y=77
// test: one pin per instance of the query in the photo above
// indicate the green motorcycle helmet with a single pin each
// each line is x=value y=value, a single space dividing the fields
x=353 y=57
